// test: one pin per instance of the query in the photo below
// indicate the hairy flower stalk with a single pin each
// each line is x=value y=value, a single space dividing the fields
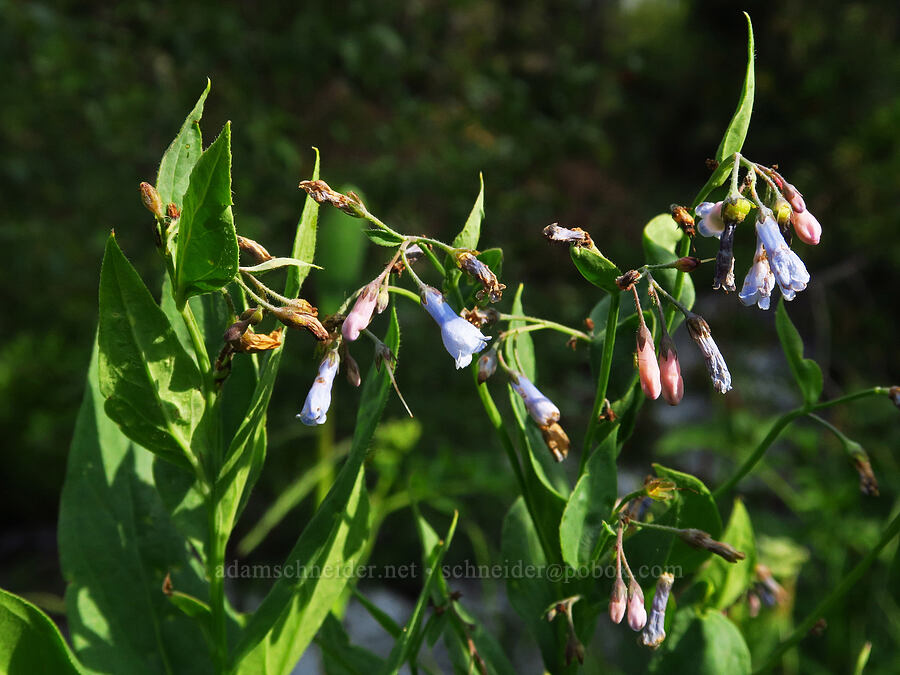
x=760 y=281
x=619 y=597
x=654 y=632
x=461 y=339
x=715 y=362
x=318 y=399
x=789 y=270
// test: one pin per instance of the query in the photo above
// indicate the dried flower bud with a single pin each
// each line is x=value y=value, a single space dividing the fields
x=352 y=370
x=670 y=372
x=627 y=280
x=617 y=600
x=255 y=249
x=654 y=633
x=574 y=235
x=894 y=394
x=724 y=277
x=702 y=540
x=574 y=649
x=490 y=287
x=151 y=200
x=172 y=212
x=648 y=368
x=715 y=362
x=254 y=343
x=685 y=220
x=589 y=324
x=637 y=613
x=735 y=210
x=487 y=365
x=868 y=484
x=293 y=318
x=321 y=192
x=687 y=263
x=557 y=441
x=234 y=332
x=383 y=354
x=480 y=317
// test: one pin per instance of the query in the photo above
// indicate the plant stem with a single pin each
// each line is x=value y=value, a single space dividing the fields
x=377 y=223
x=406 y=293
x=612 y=320
x=547 y=324
x=831 y=599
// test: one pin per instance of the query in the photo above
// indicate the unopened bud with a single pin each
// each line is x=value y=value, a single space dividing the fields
x=574 y=650
x=151 y=200
x=794 y=197
x=735 y=210
x=648 y=368
x=557 y=441
x=684 y=219
x=384 y=297
x=574 y=235
x=172 y=212
x=322 y=193
x=295 y=319
x=637 y=613
x=702 y=540
x=868 y=484
x=257 y=250
x=487 y=365
x=352 y=370
x=618 y=600
x=234 y=332
x=807 y=227
x=384 y=355
x=687 y=263
x=782 y=212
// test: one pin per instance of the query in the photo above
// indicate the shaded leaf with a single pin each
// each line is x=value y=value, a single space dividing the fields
x=730 y=580
x=806 y=371
x=181 y=156
x=382 y=238
x=660 y=241
x=339 y=657
x=29 y=641
x=704 y=643
x=595 y=267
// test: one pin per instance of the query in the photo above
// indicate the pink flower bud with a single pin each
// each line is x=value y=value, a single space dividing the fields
x=361 y=314
x=670 y=372
x=637 y=613
x=618 y=600
x=794 y=197
x=807 y=227
x=648 y=369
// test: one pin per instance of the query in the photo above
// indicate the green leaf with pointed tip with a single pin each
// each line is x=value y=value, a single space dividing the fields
x=339 y=656
x=595 y=267
x=117 y=544
x=411 y=636
x=730 y=580
x=660 y=240
x=29 y=640
x=278 y=263
x=206 y=257
x=290 y=615
x=806 y=371
x=181 y=156
x=382 y=238
x=151 y=384
x=581 y=529
x=705 y=643
x=304 y=247
x=471 y=232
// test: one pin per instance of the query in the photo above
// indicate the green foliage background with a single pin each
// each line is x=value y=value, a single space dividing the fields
x=597 y=114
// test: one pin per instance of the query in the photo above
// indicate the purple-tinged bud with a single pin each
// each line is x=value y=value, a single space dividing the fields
x=760 y=281
x=487 y=365
x=542 y=409
x=618 y=600
x=807 y=227
x=319 y=398
x=715 y=362
x=789 y=270
x=648 y=368
x=753 y=604
x=255 y=249
x=360 y=316
x=234 y=332
x=461 y=339
x=575 y=235
x=351 y=370
x=637 y=613
x=710 y=215
x=702 y=540
x=654 y=633
x=724 y=277
x=794 y=197
x=151 y=200
x=670 y=372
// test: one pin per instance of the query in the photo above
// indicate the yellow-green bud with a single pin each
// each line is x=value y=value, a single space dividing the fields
x=783 y=213
x=734 y=212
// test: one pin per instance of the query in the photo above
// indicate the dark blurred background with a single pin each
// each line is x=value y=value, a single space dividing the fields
x=596 y=114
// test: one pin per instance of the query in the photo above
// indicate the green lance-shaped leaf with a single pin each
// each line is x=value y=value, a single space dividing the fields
x=806 y=371
x=410 y=638
x=705 y=643
x=290 y=615
x=581 y=529
x=382 y=238
x=736 y=133
x=30 y=642
x=470 y=234
x=728 y=581
x=339 y=656
x=181 y=156
x=660 y=241
x=151 y=384
x=595 y=267
x=117 y=544
x=207 y=253
x=304 y=247
x=278 y=263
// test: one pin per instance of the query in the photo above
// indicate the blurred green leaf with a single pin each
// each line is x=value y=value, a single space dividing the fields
x=30 y=642
x=704 y=643
x=595 y=267
x=206 y=258
x=339 y=656
x=730 y=580
x=181 y=156
x=342 y=252
x=806 y=371
x=660 y=240
x=590 y=503
x=151 y=385
x=278 y=263
x=382 y=238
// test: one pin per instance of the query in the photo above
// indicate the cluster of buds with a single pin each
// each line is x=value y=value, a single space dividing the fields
x=574 y=648
x=773 y=262
x=660 y=375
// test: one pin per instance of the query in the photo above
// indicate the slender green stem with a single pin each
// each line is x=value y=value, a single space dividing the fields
x=873 y=391
x=684 y=247
x=190 y=321
x=612 y=321
x=412 y=272
x=433 y=259
x=832 y=598
x=215 y=570
x=406 y=293
x=249 y=291
x=735 y=175
x=627 y=498
x=433 y=242
x=655 y=526
x=377 y=223
x=828 y=425
x=547 y=324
